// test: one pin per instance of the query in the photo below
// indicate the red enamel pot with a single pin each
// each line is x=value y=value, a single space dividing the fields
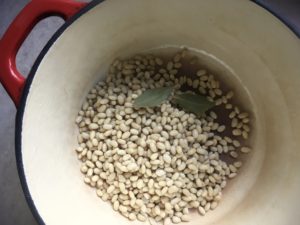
x=239 y=39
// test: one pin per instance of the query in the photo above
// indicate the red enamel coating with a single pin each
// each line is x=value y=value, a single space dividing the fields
x=18 y=30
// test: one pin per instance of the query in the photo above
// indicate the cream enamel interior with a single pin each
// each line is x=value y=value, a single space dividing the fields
x=255 y=46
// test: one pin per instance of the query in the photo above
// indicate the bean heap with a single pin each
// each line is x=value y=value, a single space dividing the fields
x=158 y=163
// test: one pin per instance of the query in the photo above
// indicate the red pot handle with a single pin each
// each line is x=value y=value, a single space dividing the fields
x=18 y=30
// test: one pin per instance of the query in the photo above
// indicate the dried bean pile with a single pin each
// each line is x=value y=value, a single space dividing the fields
x=157 y=163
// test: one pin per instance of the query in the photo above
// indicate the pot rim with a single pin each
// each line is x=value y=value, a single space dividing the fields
x=30 y=77
x=279 y=16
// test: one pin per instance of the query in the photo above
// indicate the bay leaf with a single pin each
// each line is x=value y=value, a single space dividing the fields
x=197 y=104
x=153 y=97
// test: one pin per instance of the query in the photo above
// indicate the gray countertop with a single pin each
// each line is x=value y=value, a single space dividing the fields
x=13 y=207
